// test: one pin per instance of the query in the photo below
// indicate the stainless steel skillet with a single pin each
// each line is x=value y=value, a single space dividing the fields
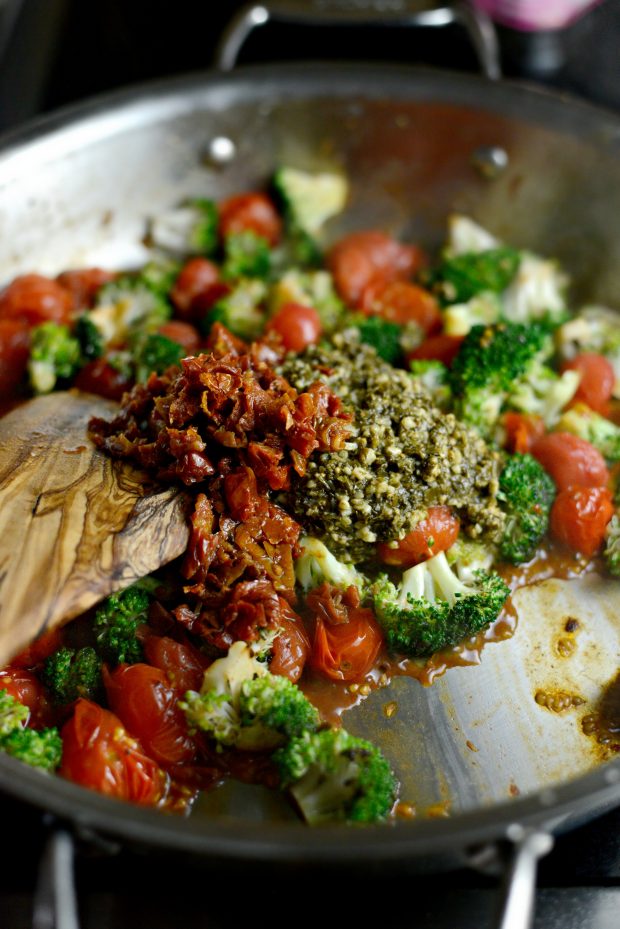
x=78 y=187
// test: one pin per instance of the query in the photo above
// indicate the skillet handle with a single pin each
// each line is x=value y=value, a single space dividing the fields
x=477 y=24
x=518 y=892
x=55 y=902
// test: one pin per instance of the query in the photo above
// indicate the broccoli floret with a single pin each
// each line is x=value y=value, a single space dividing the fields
x=246 y=254
x=611 y=552
x=542 y=392
x=240 y=310
x=600 y=432
x=316 y=564
x=433 y=376
x=55 y=355
x=191 y=229
x=594 y=329
x=309 y=288
x=467 y=557
x=126 y=303
x=41 y=748
x=160 y=275
x=537 y=293
x=481 y=310
x=384 y=336
x=465 y=236
x=70 y=673
x=335 y=776
x=89 y=337
x=432 y=609
x=310 y=199
x=242 y=705
x=489 y=366
x=154 y=352
x=463 y=276
x=13 y=714
x=526 y=493
x=116 y=625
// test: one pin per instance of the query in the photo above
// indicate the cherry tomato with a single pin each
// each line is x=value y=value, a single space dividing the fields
x=290 y=649
x=434 y=534
x=28 y=689
x=442 y=348
x=298 y=326
x=346 y=651
x=185 y=334
x=39 y=650
x=252 y=212
x=84 y=284
x=362 y=257
x=99 y=377
x=183 y=664
x=571 y=461
x=523 y=430
x=401 y=302
x=579 y=516
x=198 y=279
x=35 y=299
x=100 y=754
x=597 y=380
x=146 y=704
x=14 y=353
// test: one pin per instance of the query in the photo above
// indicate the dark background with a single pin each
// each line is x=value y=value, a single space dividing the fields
x=61 y=51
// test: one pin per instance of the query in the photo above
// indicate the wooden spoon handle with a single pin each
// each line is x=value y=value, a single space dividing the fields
x=74 y=526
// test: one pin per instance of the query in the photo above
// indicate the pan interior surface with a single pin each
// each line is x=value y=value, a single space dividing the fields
x=81 y=191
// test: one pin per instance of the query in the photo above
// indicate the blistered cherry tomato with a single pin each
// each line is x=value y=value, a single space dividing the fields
x=186 y=335
x=298 y=326
x=346 y=651
x=35 y=299
x=579 y=516
x=99 y=377
x=597 y=380
x=523 y=430
x=401 y=302
x=99 y=753
x=291 y=649
x=147 y=705
x=252 y=212
x=14 y=352
x=28 y=689
x=183 y=664
x=442 y=348
x=198 y=283
x=84 y=284
x=362 y=257
x=434 y=534
x=571 y=461
x=39 y=650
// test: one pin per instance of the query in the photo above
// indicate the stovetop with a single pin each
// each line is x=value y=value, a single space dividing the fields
x=65 y=50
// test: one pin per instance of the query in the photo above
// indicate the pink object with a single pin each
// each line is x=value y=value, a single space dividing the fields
x=535 y=15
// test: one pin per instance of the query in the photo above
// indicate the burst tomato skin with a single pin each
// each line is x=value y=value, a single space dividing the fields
x=99 y=377
x=571 y=461
x=144 y=701
x=346 y=651
x=291 y=649
x=250 y=212
x=298 y=326
x=523 y=430
x=184 y=334
x=401 y=302
x=441 y=347
x=434 y=534
x=25 y=687
x=35 y=299
x=99 y=753
x=363 y=257
x=183 y=665
x=597 y=380
x=579 y=517
x=39 y=650
x=14 y=353
x=198 y=281
x=84 y=283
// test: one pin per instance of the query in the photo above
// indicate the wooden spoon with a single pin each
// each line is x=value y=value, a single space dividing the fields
x=74 y=525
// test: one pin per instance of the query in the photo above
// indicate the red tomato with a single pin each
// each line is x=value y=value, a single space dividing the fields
x=363 y=257
x=442 y=348
x=290 y=649
x=579 y=516
x=146 y=704
x=523 y=430
x=597 y=380
x=39 y=650
x=298 y=326
x=14 y=352
x=84 y=284
x=401 y=302
x=99 y=753
x=571 y=461
x=432 y=535
x=253 y=212
x=99 y=377
x=186 y=335
x=198 y=279
x=346 y=651
x=183 y=664
x=35 y=299
x=28 y=689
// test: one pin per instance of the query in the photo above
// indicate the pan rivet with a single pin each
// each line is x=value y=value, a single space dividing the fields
x=221 y=150
x=490 y=161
